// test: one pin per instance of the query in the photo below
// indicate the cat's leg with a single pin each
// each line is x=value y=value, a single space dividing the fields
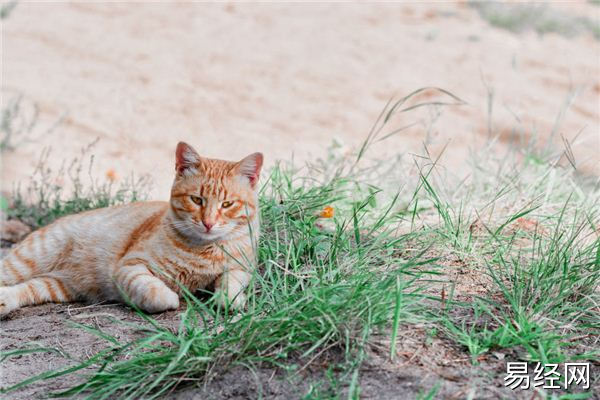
x=229 y=287
x=34 y=291
x=145 y=290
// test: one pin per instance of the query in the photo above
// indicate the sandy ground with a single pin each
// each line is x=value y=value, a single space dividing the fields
x=285 y=79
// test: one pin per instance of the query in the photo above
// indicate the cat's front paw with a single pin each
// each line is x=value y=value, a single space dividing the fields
x=159 y=299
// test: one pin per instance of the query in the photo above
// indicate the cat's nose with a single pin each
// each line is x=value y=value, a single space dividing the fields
x=208 y=225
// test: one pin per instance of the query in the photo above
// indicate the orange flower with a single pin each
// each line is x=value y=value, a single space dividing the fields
x=327 y=212
x=111 y=175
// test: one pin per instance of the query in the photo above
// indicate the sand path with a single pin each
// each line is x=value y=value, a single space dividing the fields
x=233 y=79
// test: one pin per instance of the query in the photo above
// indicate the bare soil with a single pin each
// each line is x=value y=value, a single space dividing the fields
x=424 y=361
x=418 y=369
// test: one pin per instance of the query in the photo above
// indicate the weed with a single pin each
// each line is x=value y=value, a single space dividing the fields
x=317 y=289
x=541 y=257
x=7 y=8
x=19 y=123
x=542 y=18
x=52 y=194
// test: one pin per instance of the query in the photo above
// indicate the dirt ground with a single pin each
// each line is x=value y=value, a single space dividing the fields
x=423 y=362
x=418 y=369
x=234 y=78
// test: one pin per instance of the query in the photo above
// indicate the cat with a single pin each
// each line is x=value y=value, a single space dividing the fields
x=204 y=237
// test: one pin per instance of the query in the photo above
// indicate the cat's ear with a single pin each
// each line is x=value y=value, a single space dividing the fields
x=250 y=167
x=186 y=159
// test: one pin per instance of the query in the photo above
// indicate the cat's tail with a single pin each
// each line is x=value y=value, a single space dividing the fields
x=31 y=257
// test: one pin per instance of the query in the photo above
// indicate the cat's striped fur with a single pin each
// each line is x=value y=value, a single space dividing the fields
x=204 y=236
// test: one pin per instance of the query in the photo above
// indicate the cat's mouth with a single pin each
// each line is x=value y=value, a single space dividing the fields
x=202 y=233
x=211 y=235
x=198 y=233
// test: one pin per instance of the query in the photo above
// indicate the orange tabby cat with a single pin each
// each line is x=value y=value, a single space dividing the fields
x=205 y=235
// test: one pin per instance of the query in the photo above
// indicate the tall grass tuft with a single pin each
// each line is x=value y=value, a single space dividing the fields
x=75 y=187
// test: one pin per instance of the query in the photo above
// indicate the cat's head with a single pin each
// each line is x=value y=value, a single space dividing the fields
x=211 y=199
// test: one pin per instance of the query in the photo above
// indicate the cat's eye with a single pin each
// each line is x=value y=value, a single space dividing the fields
x=226 y=204
x=197 y=200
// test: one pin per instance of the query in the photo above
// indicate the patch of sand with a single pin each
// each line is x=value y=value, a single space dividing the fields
x=232 y=79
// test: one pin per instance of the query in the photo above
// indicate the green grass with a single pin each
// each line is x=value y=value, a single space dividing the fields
x=336 y=286
x=544 y=277
x=317 y=289
x=7 y=8
x=540 y=17
x=76 y=187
